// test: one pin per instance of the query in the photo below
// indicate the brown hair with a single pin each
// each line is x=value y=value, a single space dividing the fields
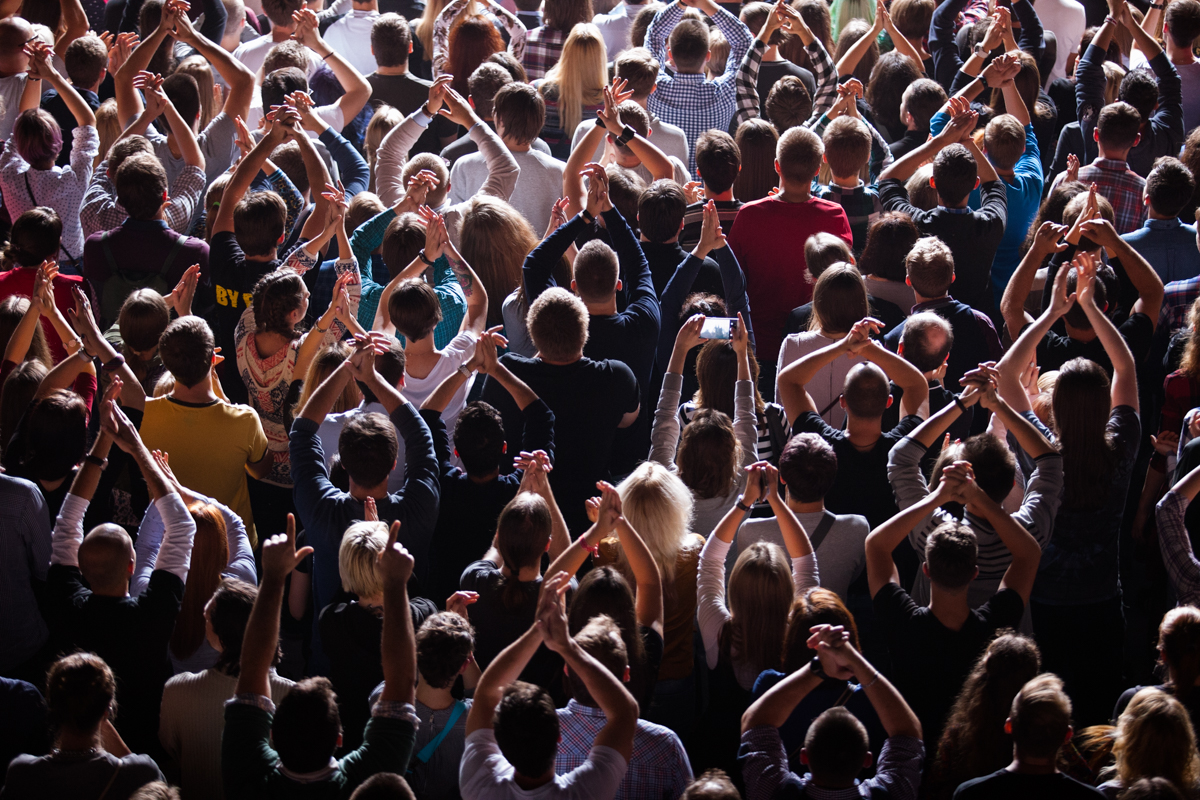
x=368 y=447
x=799 y=155
x=788 y=104
x=1154 y=738
x=186 y=349
x=718 y=160
x=710 y=456
x=817 y=606
x=930 y=267
x=210 y=555
x=472 y=39
x=952 y=554
x=563 y=15
x=522 y=531
x=1041 y=717
x=854 y=30
x=414 y=309
x=328 y=359
x=1179 y=647
x=521 y=110
x=80 y=690
x=689 y=46
x=141 y=183
x=1004 y=140
x=1081 y=409
x=639 y=69
x=885 y=88
x=596 y=269
x=839 y=300
x=488 y=79
x=403 y=239
x=660 y=210
x=889 y=240
x=495 y=239
x=558 y=324
x=258 y=222
x=716 y=375
x=390 y=40
x=760 y=598
x=847 y=146
x=757 y=141
x=86 y=59
x=444 y=643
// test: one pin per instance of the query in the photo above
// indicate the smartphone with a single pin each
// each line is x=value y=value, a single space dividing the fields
x=718 y=328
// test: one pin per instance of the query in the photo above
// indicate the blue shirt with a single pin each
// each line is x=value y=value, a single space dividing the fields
x=1024 y=193
x=1170 y=247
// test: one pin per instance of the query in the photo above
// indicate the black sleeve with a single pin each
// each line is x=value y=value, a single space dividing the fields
x=441 y=439
x=893 y=605
x=539 y=428
x=1003 y=610
x=1138 y=332
x=812 y=422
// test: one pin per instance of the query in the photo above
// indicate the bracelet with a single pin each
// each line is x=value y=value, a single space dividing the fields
x=958 y=402
x=421 y=255
x=73 y=346
x=599 y=122
x=464 y=370
x=588 y=216
x=744 y=508
x=110 y=366
x=627 y=135
x=331 y=52
x=1110 y=19
x=594 y=549
x=97 y=460
x=873 y=681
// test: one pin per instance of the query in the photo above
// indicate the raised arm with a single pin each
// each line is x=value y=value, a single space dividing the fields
x=1143 y=276
x=849 y=62
x=962 y=121
x=1124 y=384
x=238 y=78
x=398 y=644
x=881 y=569
x=129 y=104
x=249 y=166
x=185 y=137
x=1178 y=556
x=41 y=68
x=358 y=91
x=1024 y=349
x=1046 y=242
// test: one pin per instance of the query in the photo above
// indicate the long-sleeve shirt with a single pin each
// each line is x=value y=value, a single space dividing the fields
x=712 y=613
x=942 y=44
x=445 y=19
x=24 y=557
x=102 y=212
x=824 y=72
x=393 y=153
x=690 y=100
x=1182 y=566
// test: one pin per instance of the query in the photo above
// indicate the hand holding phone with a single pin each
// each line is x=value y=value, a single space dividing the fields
x=718 y=328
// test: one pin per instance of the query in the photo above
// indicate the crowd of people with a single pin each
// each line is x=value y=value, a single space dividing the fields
x=837 y=437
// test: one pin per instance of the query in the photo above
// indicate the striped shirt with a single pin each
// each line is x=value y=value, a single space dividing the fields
x=766 y=450
x=861 y=204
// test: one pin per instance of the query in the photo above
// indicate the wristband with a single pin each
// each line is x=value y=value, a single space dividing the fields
x=97 y=460
x=594 y=549
x=1112 y=19
x=114 y=364
x=421 y=255
x=588 y=216
x=745 y=508
x=599 y=122
x=627 y=135
x=958 y=402
x=464 y=370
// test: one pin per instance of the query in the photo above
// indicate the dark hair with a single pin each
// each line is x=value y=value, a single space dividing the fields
x=847 y=146
x=625 y=187
x=602 y=639
x=716 y=363
x=788 y=104
x=402 y=240
x=19 y=389
x=821 y=251
x=186 y=349
x=307 y=725
x=184 y=93
x=866 y=391
x=287 y=157
x=718 y=160
x=229 y=613
x=53 y=436
x=368 y=447
x=688 y=43
x=276 y=295
x=709 y=455
x=641 y=22
x=954 y=174
x=563 y=15
x=927 y=340
x=277 y=85
x=660 y=210
x=258 y=222
x=1081 y=404
x=640 y=69
x=35 y=237
x=922 y=98
x=605 y=591
x=1041 y=717
x=414 y=309
x=1139 y=89
x=839 y=299
x=892 y=74
x=952 y=554
x=1151 y=789
x=124 y=148
x=390 y=40
x=390 y=366
x=1182 y=20
x=712 y=785
x=521 y=109
x=1170 y=186
x=484 y=83
x=444 y=643
x=757 y=140
x=836 y=745
x=889 y=239
x=280 y=11
x=1052 y=208
x=141 y=184
x=1119 y=125
x=522 y=531
x=80 y=689
x=526 y=728
x=597 y=267
x=808 y=466
x=142 y=319
x=755 y=14
x=1179 y=643
x=509 y=62
x=479 y=438
x=86 y=59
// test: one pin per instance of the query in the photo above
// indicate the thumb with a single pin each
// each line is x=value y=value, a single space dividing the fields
x=393 y=534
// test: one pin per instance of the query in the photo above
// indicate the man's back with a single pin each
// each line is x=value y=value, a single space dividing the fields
x=1005 y=784
x=485 y=774
x=975 y=337
x=1122 y=187
x=1169 y=246
x=406 y=93
x=538 y=186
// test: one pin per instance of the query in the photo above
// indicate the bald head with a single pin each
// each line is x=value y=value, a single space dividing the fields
x=926 y=341
x=106 y=559
x=866 y=393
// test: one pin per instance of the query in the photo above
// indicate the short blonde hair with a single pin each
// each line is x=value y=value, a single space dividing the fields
x=359 y=552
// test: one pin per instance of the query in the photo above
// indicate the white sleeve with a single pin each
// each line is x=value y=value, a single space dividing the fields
x=176 y=553
x=68 y=530
x=664 y=435
x=710 y=600
x=745 y=425
x=804 y=573
x=241 y=556
x=149 y=542
x=598 y=778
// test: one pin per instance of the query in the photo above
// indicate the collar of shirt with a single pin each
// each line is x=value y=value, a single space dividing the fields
x=1111 y=164
x=575 y=707
x=948 y=210
x=838 y=189
x=929 y=305
x=310 y=777
x=1163 y=224
x=144 y=224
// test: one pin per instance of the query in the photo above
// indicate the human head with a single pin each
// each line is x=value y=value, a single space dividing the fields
x=912 y=17
x=798 y=156
x=186 y=349
x=822 y=250
x=81 y=691
x=37 y=137
x=34 y=238
x=472 y=40
x=199 y=70
x=659 y=505
x=596 y=269
x=757 y=141
x=755 y=14
x=479 y=439
x=1154 y=738
x=414 y=309
x=660 y=211
x=1169 y=186
x=509 y=62
x=688 y=46
x=759 y=598
x=839 y=300
x=603 y=590
x=807 y=467
x=106 y=559
x=1004 y=141
x=625 y=188
x=436 y=165
x=445 y=643
x=358 y=554
x=1118 y=128
x=926 y=341
x=280 y=303
x=718 y=160
x=1181 y=24
x=835 y=748
x=126 y=147
x=1179 y=648
x=390 y=366
x=920 y=188
x=288 y=53
x=716 y=363
x=495 y=239
x=526 y=729
x=889 y=240
x=403 y=239
x=641 y=22
x=280 y=12
x=227 y=614
x=384 y=786
x=20 y=387
x=817 y=606
x=851 y=32
x=847 y=146
x=639 y=70
x=141 y=184
x=718 y=53
x=307 y=728
x=15 y=31
x=709 y=456
x=368 y=448
x=328 y=359
x=564 y=15
x=108 y=126
x=558 y=325
x=788 y=104
x=1075 y=207
x=1081 y=406
x=994 y=465
x=712 y=785
x=1140 y=90
x=277 y=85
x=520 y=112
x=258 y=222
x=142 y=319
x=523 y=531
x=182 y=89
x=601 y=639
x=488 y=79
x=951 y=553
x=391 y=40
x=893 y=73
x=930 y=267
x=1040 y=719
x=955 y=174
x=866 y=392
x=580 y=75
x=86 y=61
x=921 y=99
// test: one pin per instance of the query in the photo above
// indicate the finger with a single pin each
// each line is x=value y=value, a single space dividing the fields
x=393 y=533
x=291 y=529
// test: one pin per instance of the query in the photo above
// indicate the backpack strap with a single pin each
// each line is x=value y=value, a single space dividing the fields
x=171 y=256
x=428 y=750
x=822 y=529
x=108 y=253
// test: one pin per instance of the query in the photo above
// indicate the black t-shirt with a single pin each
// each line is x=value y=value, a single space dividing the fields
x=233 y=279
x=1055 y=349
x=664 y=258
x=862 y=485
x=1005 y=785
x=930 y=661
x=407 y=93
x=769 y=73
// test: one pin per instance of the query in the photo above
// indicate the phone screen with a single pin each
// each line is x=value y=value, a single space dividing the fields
x=718 y=328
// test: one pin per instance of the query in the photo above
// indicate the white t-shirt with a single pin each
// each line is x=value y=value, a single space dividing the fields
x=663 y=135
x=11 y=89
x=331 y=429
x=254 y=52
x=350 y=36
x=485 y=774
x=539 y=185
x=1068 y=20
x=456 y=353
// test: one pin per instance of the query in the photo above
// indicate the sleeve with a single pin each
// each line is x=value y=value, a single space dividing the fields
x=312 y=491
x=994 y=210
x=1167 y=120
x=1089 y=97
x=187 y=194
x=1031 y=40
x=678 y=287
x=387 y=747
x=35 y=531
x=538 y=268
x=354 y=172
x=215 y=19
x=179 y=533
x=602 y=773
x=441 y=439
x=513 y=26
x=241 y=555
x=747 y=83
x=83 y=152
x=1182 y=565
x=745 y=423
x=898 y=772
x=909 y=486
x=804 y=573
x=149 y=541
x=441 y=35
x=739 y=38
x=422 y=490
x=942 y=44
x=393 y=153
x=892 y=605
x=642 y=300
x=68 y=532
x=1043 y=496
x=99 y=210
x=711 y=611
x=825 y=72
x=502 y=168
x=538 y=431
x=660 y=27
x=764 y=762
x=894 y=197
x=664 y=437
x=811 y=422
x=247 y=758
x=938 y=121
x=282 y=185
x=733 y=281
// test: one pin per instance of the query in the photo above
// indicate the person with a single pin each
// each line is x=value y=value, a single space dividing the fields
x=959 y=166
x=1177 y=634
x=661 y=213
x=269 y=750
x=28 y=174
x=487 y=79
x=85 y=60
x=1068 y=20
x=572 y=87
x=445 y=651
x=1165 y=242
x=1040 y=725
x=1153 y=739
x=861 y=484
x=774 y=265
x=513 y=728
x=15 y=33
x=1075 y=578
x=544 y=43
x=1181 y=26
x=847 y=143
x=718 y=165
x=351 y=34
x=23 y=632
x=475 y=41
x=1183 y=569
x=81 y=691
x=931 y=274
x=367 y=448
x=133 y=633
x=807 y=469
x=392 y=83
x=473 y=495
x=686 y=98
x=193 y=703
x=951 y=633
x=836 y=747
x=921 y=100
x=616 y=25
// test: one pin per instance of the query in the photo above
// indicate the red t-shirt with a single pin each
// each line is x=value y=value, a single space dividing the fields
x=768 y=237
x=20 y=281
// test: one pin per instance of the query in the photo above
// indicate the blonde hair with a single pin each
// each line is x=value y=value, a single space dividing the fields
x=580 y=74
x=1155 y=739
x=109 y=128
x=200 y=69
x=384 y=120
x=1113 y=75
x=659 y=506
x=326 y=360
x=496 y=238
x=424 y=27
x=760 y=598
x=361 y=545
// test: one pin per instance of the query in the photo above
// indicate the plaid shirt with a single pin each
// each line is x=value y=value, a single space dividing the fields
x=658 y=770
x=861 y=204
x=1123 y=188
x=1178 y=297
x=543 y=48
x=824 y=71
x=1182 y=566
x=691 y=101
x=101 y=211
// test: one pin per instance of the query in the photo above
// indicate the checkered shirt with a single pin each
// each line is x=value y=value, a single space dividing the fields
x=861 y=204
x=1182 y=566
x=1123 y=188
x=543 y=48
x=659 y=767
x=1178 y=297
x=823 y=69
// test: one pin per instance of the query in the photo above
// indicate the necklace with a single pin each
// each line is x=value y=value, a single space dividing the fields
x=88 y=753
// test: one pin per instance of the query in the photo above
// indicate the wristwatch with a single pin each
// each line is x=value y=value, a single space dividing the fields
x=627 y=135
x=814 y=666
x=421 y=255
x=114 y=364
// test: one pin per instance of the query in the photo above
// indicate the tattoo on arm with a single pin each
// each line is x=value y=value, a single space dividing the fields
x=464 y=276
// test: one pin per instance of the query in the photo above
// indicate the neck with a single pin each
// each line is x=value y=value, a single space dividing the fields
x=513 y=147
x=846 y=183
x=437 y=699
x=772 y=54
x=1028 y=765
x=482 y=479
x=200 y=393
x=529 y=784
x=604 y=308
x=525 y=574
x=1179 y=55
x=419 y=347
x=920 y=298
x=1115 y=155
x=371 y=5
x=1004 y=173
x=1152 y=214
x=805 y=508
x=282 y=34
x=673 y=240
x=361 y=493
x=641 y=101
x=791 y=193
x=944 y=204
x=554 y=363
x=399 y=69
x=265 y=257
x=864 y=433
x=1079 y=334
x=725 y=195
x=949 y=606
x=71 y=739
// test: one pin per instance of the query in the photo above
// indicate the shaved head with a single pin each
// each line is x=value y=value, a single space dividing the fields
x=106 y=559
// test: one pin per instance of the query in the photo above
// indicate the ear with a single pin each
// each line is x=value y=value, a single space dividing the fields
x=1096 y=134
x=804 y=756
x=900 y=348
x=868 y=760
x=619 y=284
x=977 y=182
x=1070 y=734
x=680 y=225
x=841 y=402
x=777 y=172
x=574 y=290
x=339 y=742
x=925 y=568
x=471 y=101
x=1137 y=139
x=1008 y=726
x=625 y=677
x=890 y=401
x=409 y=48
x=281 y=237
x=504 y=445
x=548 y=544
x=825 y=158
x=649 y=132
x=908 y=281
x=932 y=183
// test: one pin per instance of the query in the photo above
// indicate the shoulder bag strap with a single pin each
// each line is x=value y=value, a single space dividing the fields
x=822 y=529
x=428 y=750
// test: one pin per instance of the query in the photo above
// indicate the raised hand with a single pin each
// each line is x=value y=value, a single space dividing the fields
x=552 y=612
x=1048 y=238
x=1072 y=167
x=279 y=553
x=114 y=422
x=1165 y=443
x=436 y=237
x=693 y=191
x=609 y=115
x=831 y=642
x=180 y=298
x=40 y=65
x=860 y=334
x=558 y=215
x=119 y=52
x=457 y=603
x=711 y=235
x=83 y=322
x=1060 y=301
x=457 y=109
x=437 y=94
x=395 y=562
x=1085 y=279
x=608 y=513
x=689 y=333
x=151 y=87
